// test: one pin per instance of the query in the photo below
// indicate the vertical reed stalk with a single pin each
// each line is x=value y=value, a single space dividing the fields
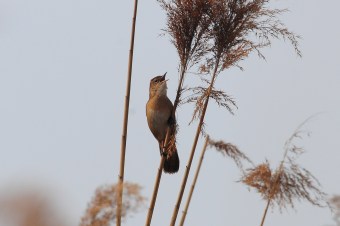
x=276 y=180
x=185 y=211
x=265 y=212
x=192 y=153
x=155 y=191
x=125 y=122
x=275 y=186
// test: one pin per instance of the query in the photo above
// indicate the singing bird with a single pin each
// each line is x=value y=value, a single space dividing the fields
x=160 y=117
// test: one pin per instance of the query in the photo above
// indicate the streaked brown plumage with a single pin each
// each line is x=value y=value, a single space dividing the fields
x=160 y=117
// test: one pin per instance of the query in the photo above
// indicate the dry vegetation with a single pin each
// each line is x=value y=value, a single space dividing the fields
x=32 y=207
x=289 y=182
x=211 y=36
x=229 y=30
x=237 y=28
x=126 y=118
x=187 y=25
x=101 y=211
x=231 y=151
x=29 y=208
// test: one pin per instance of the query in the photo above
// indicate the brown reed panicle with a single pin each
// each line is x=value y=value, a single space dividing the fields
x=240 y=27
x=230 y=150
x=29 y=208
x=187 y=25
x=237 y=28
x=101 y=211
x=286 y=186
x=289 y=182
x=198 y=96
x=260 y=178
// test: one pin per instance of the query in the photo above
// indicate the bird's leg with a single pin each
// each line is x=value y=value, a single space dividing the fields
x=162 y=148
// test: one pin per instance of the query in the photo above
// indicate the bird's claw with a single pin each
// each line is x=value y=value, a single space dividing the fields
x=163 y=153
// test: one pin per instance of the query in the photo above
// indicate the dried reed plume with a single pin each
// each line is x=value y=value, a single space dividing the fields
x=126 y=118
x=187 y=25
x=198 y=96
x=240 y=27
x=227 y=149
x=230 y=150
x=237 y=28
x=29 y=208
x=101 y=211
x=289 y=182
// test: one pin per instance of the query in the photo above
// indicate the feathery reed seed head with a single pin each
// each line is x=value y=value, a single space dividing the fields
x=289 y=182
x=101 y=211
x=187 y=25
x=230 y=150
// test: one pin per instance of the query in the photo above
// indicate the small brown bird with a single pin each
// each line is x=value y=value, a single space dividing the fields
x=160 y=117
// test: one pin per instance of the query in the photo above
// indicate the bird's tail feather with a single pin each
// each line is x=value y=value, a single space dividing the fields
x=171 y=163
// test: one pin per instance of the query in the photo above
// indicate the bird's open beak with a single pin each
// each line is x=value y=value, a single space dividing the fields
x=163 y=77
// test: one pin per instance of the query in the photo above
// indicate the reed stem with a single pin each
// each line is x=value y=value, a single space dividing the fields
x=125 y=121
x=192 y=153
x=185 y=211
x=265 y=212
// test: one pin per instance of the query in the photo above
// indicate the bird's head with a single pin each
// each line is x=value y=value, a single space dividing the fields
x=158 y=86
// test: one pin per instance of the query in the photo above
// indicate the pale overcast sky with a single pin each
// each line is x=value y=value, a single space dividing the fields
x=63 y=71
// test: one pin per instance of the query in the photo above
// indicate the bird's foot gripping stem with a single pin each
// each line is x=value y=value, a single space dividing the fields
x=164 y=153
x=162 y=149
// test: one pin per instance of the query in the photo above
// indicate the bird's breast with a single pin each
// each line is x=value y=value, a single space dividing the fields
x=157 y=116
